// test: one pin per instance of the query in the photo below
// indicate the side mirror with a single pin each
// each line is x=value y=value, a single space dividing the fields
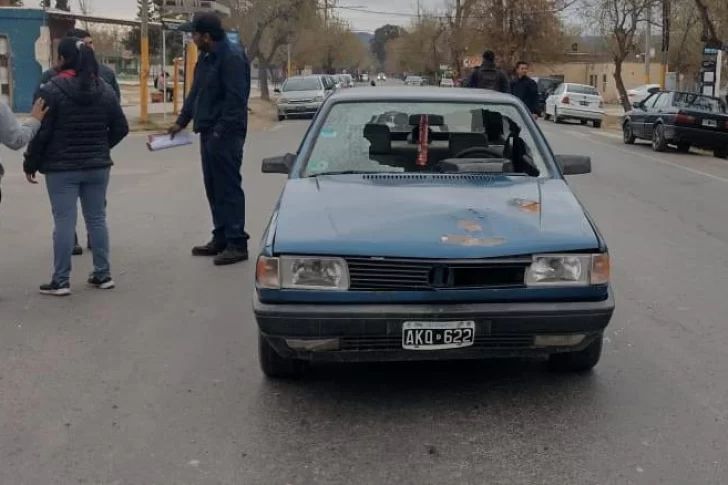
x=281 y=164
x=574 y=164
x=277 y=90
x=637 y=105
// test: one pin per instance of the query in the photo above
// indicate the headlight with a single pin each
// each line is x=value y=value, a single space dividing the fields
x=568 y=270
x=302 y=273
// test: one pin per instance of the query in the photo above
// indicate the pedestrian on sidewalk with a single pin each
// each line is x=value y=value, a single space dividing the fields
x=218 y=103
x=488 y=76
x=72 y=149
x=526 y=89
x=15 y=135
x=105 y=73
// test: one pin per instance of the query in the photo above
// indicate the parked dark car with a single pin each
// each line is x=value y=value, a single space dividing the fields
x=546 y=86
x=678 y=118
x=395 y=241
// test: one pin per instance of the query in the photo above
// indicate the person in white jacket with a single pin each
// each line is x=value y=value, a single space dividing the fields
x=16 y=135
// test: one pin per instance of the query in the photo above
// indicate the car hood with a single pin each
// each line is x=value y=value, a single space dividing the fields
x=429 y=216
x=299 y=95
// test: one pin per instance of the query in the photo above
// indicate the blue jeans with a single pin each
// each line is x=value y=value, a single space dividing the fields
x=222 y=159
x=64 y=190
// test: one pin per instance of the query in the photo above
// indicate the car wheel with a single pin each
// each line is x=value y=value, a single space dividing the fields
x=274 y=365
x=281 y=117
x=721 y=153
x=583 y=122
x=683 y=147
x=659 y=144
x=581 y=361
x=556 y=116
x=546 y=115
x=597 y=123
x=628 y=134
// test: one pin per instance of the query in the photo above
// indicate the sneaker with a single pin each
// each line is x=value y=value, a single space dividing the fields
x=209 y=249
x=77 y=250
x=101 y=283
x=231 y=255
x=54 y=289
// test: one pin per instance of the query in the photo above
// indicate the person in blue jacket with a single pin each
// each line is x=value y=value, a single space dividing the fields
x=218 y=104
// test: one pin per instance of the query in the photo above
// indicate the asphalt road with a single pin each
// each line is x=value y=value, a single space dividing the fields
x=157 y=383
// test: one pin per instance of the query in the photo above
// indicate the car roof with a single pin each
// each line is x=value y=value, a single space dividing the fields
x=396 y=93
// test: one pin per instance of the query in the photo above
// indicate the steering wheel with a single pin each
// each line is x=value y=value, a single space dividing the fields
x=484 y=152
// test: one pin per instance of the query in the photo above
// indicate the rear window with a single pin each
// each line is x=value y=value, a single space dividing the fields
x=377 y=137
x=698 y=102
x=582 y=89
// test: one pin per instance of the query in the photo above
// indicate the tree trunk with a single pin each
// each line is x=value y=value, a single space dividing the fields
x=624 y=100
x=263 y=79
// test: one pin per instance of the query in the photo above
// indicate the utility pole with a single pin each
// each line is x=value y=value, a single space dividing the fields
x=144 y=70
x=648 y=43
x=665 y=42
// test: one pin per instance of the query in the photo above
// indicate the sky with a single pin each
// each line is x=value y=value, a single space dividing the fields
x=364 y=15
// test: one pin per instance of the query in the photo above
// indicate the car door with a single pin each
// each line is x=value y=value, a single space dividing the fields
x=551 y=100
x=638 y=115
x=653 y=113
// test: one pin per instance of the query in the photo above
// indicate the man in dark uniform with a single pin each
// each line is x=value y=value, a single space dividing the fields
x=218 y=103
x=105 y=72
x=526 y=89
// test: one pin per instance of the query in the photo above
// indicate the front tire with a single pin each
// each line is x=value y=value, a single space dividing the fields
x=627 y=134
x=274 y=365
x=597 y=123
x=581 y=361
x=281 y=117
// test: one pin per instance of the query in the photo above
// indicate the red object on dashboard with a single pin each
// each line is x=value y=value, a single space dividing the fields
x=424 y=142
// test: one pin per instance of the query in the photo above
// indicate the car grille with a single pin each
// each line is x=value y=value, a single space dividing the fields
x=299 y=101
x=370 y=274
x=490 y=342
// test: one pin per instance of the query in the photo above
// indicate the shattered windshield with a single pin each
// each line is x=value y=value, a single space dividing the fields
x=364 y=137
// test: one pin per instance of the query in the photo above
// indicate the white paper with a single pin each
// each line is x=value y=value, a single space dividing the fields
x=163 y=141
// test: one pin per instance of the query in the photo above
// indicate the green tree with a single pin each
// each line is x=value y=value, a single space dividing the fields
x=382 y=35
x=173 y=40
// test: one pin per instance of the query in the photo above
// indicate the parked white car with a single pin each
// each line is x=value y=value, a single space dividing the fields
x=446 y=82
x=572 y=101
x=640 y=92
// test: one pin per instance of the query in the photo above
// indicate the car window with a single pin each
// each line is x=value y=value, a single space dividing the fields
x=582 y=89
x=649 y=101
x=663 y=101
x=698 y=102
x=560 y=89
x=301 y=84
x=343 y=145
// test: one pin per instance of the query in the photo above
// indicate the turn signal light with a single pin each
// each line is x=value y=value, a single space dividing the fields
x=565 y=100
x=267 y=273
x=600 y=269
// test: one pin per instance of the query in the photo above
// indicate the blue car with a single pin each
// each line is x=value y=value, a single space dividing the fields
x=429 y=224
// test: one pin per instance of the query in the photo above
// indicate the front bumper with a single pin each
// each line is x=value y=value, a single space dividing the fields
x=697 y=137
x=374 y=332
x=293 y=109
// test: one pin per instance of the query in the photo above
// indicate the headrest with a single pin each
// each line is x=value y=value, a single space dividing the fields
x=462 y=141
x=379 y=137
x=376 y=130
x=432 y=120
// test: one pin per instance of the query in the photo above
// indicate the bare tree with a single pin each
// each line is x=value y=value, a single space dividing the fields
x=619 y=21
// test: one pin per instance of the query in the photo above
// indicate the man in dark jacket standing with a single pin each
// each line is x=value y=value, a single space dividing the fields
x=218 y=103
x=526 y=89
x=105 y=73
x=488 y=76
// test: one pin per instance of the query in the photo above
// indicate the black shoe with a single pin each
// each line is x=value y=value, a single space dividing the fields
x=77 y=250
x=231 y=255
x=209 y=249
x=54 y=289
x=101 y=283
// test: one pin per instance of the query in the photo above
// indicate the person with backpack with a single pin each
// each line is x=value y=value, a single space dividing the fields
x=488 y=76
x=73 y=150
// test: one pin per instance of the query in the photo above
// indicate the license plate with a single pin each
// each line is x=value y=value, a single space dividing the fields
x=710 y=123
x=437 y=335
x=585 y=103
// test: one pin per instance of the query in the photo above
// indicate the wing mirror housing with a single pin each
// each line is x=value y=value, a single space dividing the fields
x=574 y=164
x=637 y=105
x=281 y=164
x=277 y=90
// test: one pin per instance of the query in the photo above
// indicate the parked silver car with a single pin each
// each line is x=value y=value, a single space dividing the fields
x=302 y=95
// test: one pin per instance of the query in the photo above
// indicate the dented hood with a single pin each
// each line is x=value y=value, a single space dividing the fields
x=426 y=216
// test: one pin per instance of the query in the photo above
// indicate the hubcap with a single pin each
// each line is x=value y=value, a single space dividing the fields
x=656 y=138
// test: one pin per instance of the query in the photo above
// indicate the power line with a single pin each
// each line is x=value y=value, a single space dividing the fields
x=418 y=15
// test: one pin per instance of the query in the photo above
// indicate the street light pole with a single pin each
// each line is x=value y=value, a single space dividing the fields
x=144 y=69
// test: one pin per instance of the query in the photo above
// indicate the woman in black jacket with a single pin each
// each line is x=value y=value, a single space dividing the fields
x=72 y=149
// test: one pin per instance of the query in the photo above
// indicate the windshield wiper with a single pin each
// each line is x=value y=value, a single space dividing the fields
x=351 y=172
